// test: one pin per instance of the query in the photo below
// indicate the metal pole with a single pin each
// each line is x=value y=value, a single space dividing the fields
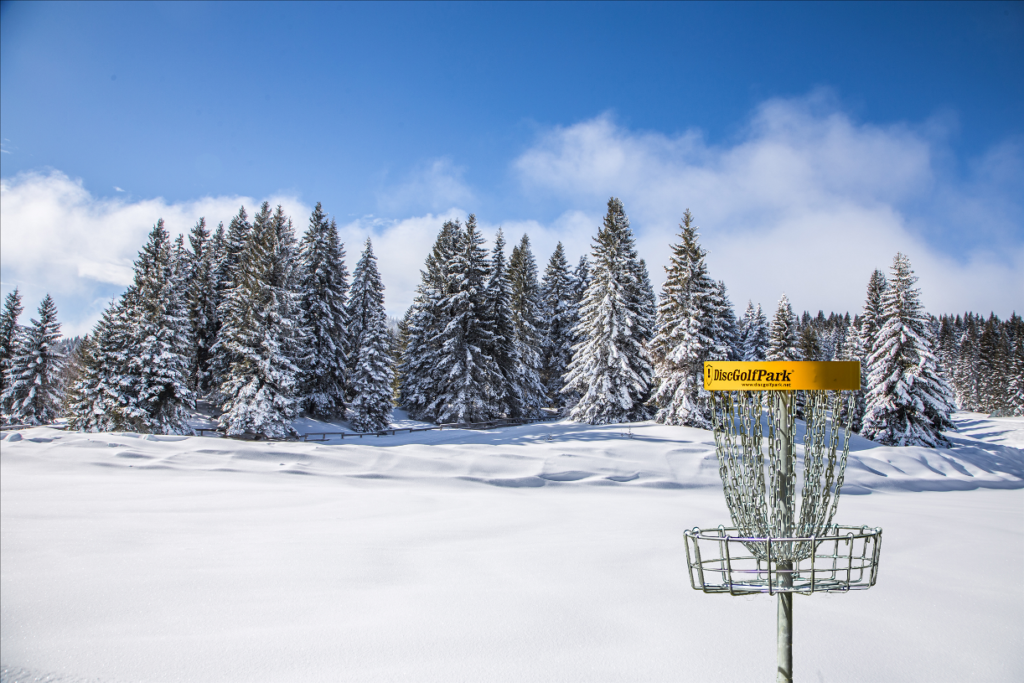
x=786 y=503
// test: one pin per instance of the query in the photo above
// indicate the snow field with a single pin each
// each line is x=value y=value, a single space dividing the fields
x=479 y=556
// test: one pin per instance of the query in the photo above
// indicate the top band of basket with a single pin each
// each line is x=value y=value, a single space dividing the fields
x=781 y=375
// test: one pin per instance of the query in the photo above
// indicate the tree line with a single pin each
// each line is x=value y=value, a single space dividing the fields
x=266 y=326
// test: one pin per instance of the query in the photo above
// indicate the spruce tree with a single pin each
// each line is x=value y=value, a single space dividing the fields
x=529 y=326
x=755 y=334
x=909 y=403
x=103 y=398
x=373 y=373
x=992 y=366
x=689 y=332
x=425 y=322
x=33 y=395
x=558 y=304
x=257 y=333
x=1015 y=386
x=870 y=320
x=782 y=338
x=202 y=308
x=503 y=348
x=809 y=343
x=854 y=351
x=966 y=374
x=468 y=377
x=609 y=368
x=324 y=319
x=160 y=350
x=8 y=333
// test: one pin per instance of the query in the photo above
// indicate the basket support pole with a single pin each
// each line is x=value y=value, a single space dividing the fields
x=785 y=500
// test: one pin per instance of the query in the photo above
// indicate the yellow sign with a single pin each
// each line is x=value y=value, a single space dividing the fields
x=781 y=375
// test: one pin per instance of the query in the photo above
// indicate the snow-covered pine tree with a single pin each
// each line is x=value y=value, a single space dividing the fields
x=256 y=331
x=468 y=377
x=646 y=304
x=581 y=280
x=609 y=368
x=503 y=348
x=1015 y=388
x=783 y=343
x=870 y=319
x=229 y=255
x=425 y=322
x=689 y=332
x=965 y=375
x=103 y=398
x=373 y=373
x=324 y=318
x=160 y=346
x=529 y=326
x=909 y=403
x=992 y=367
x=558 y=301
x=809 y=343
x=853 y=350
x=202 y=307
x=755 y=334
x=729 y=339
x=8 y=333
x=33 y=395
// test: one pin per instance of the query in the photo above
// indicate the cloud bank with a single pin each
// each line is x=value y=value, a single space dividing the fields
x=804 y=201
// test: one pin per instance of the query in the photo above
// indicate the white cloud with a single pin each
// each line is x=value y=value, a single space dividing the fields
x=57 y=237
x=435 y=186
x=807 y=203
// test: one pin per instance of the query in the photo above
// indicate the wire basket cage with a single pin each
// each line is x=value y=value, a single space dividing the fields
x=845 y=558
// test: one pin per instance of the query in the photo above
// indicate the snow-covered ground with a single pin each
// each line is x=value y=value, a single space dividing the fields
x=549 y=552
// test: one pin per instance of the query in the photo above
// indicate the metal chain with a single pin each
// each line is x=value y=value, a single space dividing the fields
x=752 y=494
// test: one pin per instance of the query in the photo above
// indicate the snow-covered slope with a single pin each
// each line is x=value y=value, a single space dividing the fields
x=637 y=455
x=550 y=552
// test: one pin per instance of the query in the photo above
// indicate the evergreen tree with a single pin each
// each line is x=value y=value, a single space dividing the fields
x=256 y=332
x=755 y=334
x=373 y=374
x=158 y=364
x=103 y=398
x=782 y=338
x=504 y=349
x=8 y=333
x=528 y=324
x=647 y=304
x=870 y=320
x=730 y=338
x=33 y=394
x=909 y=403
x=609 y=367
x=425 y=322
x=810 y=345
x=1015 y=386
x=324 y=317
x=965 y=376
x=581 y=281
x=689 y=332
x=229 y=256
x=992 y=366
x=202 y=307
x=558 y=302
x=853 y=350
x=468 y=378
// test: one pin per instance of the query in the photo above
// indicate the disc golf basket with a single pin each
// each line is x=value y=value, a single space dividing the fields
x=775 y=546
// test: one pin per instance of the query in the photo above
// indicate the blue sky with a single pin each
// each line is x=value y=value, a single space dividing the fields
x=786 y=128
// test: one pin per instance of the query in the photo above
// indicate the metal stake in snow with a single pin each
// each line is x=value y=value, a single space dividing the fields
x=772 y=546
